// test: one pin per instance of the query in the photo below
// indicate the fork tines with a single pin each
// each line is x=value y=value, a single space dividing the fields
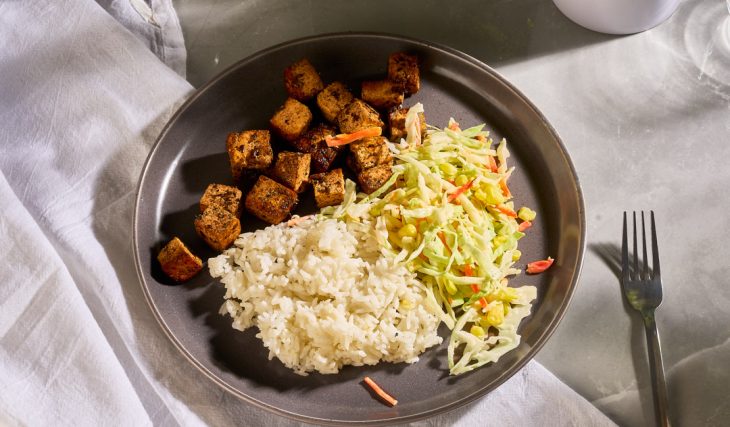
x=635 y=273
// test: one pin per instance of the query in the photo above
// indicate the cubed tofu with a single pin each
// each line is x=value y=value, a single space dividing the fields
x=250 y=149
x=302 y=81
x=271 y=201
x=291 y=120
x=313 y=142
x=292 y=169
x=218 y=227
x=382 y=94
x=333 y=99
x=368 y=153
x=178 y=262
x=329 y=187
x=225 y=196
x=358 y=115
x=374 y=178
x=403 y=68
x=397 y=124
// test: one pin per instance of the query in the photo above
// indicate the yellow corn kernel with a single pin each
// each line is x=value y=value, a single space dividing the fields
x=481 y=195
x=448 y=168
x=450 y=287
x=477 y=331
x=507 y=294
x=516 y=255
x=491 y=297
x=461 y=180
x=526 y=214
x=494 y=195
x=406 y=304
x=499 y=240
x=408 y=230
x=495 y=315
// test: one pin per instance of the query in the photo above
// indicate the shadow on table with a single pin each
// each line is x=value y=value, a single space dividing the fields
x=610 y=254
x=496 y=32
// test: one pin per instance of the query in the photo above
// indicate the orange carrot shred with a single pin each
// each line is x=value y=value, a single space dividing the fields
x=347 y=138
x=507 y=211
x=505 y=189
x=379 y=391
x=524 y=225
x=459 y=191
x=475 y=287
x=492 y=164
x=443 y=240
x=537 y=267
x=483 y=302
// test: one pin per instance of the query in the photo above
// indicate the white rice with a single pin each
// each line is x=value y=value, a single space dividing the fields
x=323 y=297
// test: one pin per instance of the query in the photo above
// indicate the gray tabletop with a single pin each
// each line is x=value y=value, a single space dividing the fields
x=646 y=120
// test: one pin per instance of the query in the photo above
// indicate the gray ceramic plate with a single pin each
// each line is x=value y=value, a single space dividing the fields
x=190 y=154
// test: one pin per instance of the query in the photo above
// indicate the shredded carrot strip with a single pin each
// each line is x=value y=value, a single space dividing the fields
x=537 y=267
x=524 y=225
x=459 y=191
x=483 y=302
x=454 y=126
x=492 y=164
x=379 y=391
x=347 y=138
x=505 y=189
x=505 y=210
x=443 y=240
x=475 y=287
x=468 y=270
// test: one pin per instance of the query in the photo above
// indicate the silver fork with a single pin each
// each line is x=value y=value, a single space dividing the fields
x=643 y=290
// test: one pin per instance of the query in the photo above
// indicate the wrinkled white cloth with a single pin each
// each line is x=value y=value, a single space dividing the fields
x=82 y=99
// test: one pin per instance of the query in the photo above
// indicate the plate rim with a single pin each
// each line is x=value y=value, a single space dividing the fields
x=442 y=409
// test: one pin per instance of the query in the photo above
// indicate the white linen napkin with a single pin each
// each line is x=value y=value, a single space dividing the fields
x=82 y=99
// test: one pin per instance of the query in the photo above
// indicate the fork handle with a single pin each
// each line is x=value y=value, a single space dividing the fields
x=656 y=367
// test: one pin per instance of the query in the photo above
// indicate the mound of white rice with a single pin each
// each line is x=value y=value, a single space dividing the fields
x=323 y=297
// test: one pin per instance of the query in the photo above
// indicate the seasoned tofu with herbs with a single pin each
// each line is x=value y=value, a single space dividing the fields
x=333 y=99
x=225 y=196
x=382 y=94
x=368 y=153
x=397 y=124
x=249 y=150
x=291 y=120
x=292 y=169
x=178 y=262
x=313 y=142
x=329 y=187
x=374 y=178
x=358 y=115
x=403 y=69
x=302 y=81
x=218 y=227
x=271 y=201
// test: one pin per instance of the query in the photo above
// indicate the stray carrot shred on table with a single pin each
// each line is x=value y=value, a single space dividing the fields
x=524 y=225
x=379 y=391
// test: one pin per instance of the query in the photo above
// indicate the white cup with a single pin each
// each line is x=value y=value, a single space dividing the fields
x=617 y=16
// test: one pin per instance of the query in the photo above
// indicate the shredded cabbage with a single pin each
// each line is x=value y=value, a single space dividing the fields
x=446 y=212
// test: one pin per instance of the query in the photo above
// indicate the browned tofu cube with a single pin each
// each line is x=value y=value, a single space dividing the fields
x=292 y=169
x=403 y=68
x=291 y=120
x=313 y=142
x=374 y=178
x=382 y=94
x=358 y=115
x=397 y=124
x=329 y=187
x=218 y=227
x=178 y=262
x=302 y=81
x=368 y=153
x=271 y=201
x=225 y=196
x=250 y=149
x=333 y=99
